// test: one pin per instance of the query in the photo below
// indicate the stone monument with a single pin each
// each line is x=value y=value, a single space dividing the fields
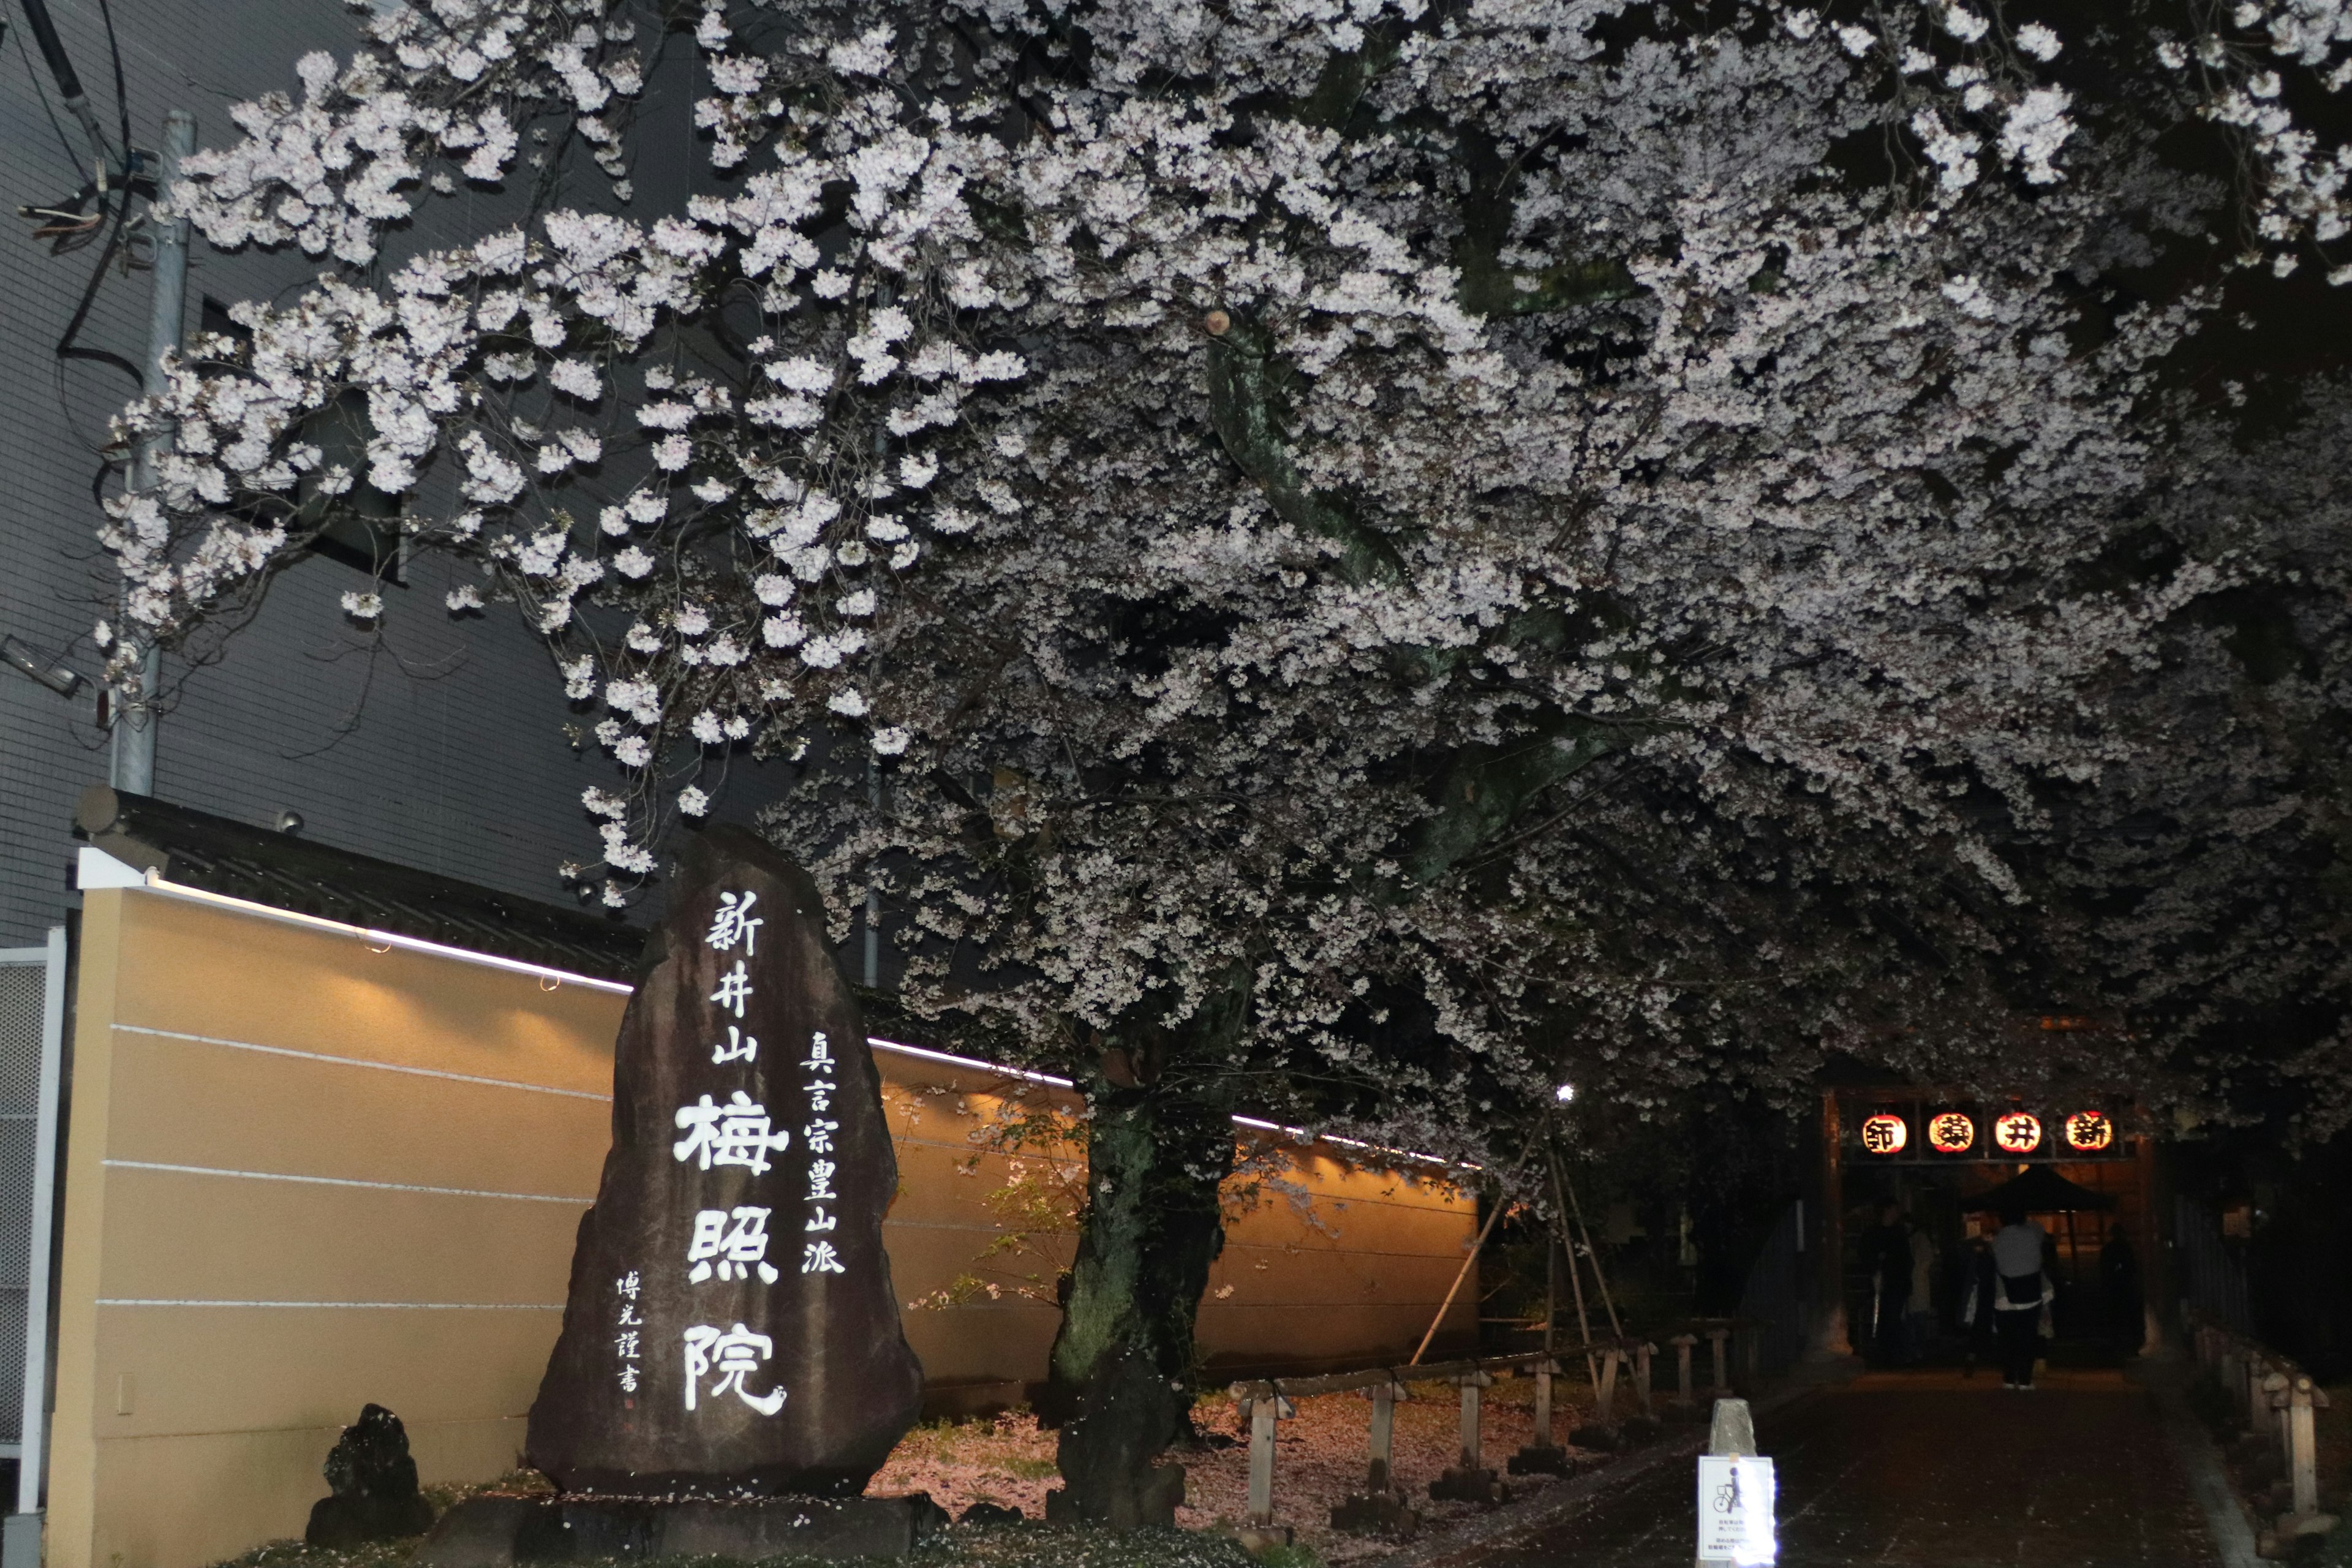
x=730 y=1333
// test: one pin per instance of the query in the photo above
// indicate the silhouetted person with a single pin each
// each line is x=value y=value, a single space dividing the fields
x=2119 y=1279
x=1976 y=1305
x=1888 y=1247
x=2017 y=1257
x=1919 y=1322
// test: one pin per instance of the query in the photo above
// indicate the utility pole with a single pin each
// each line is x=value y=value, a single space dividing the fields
x=133 y=763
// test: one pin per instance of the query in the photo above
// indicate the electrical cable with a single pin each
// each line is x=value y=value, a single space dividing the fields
x=53 y=51
x=73 y=159
x=67 y=347
x=121 y=96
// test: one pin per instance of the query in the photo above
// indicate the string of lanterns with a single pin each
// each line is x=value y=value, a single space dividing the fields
x=2014 y=1133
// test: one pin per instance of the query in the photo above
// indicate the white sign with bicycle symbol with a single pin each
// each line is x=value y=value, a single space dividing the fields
x=1735 y=1496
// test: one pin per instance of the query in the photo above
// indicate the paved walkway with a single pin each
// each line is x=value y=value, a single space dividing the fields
x=1920 y=1471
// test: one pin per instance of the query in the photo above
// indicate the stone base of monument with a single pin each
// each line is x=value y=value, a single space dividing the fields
x=1154 y=1503
x=340 y=1523
x=1461 y=1484
x=1376 y=1514
x=497 y=1531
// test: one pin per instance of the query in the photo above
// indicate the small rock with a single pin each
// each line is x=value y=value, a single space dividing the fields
x=373 y=1480
x=1462 y=1485
x=1257 y=1539
x=1541 y=1459
x=1376 y=1514
x=992 y=1514
x=1593 y=1435
x=1638 y=1429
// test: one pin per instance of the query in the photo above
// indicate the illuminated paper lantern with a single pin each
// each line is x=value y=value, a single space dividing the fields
x=2090 y=1131
x=2018 y=1132
x=1949 y=1133
x=1885 y=1134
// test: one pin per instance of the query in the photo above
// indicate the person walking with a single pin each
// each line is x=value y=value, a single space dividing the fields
x=2025 y=1290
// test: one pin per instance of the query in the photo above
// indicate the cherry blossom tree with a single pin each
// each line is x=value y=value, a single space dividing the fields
x=1334 y=559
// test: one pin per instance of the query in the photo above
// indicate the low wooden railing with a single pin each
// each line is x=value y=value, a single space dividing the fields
x=1383 y=1505
x=2269 y=1393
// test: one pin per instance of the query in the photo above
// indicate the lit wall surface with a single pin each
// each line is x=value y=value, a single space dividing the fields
x=302 y=1176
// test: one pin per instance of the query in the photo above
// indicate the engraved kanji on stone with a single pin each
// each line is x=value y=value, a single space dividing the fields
x=734 y=1354
x=821 y=1181
x=734 y=989
x=736 y=1133
x=730 y=1244
x=735 y=923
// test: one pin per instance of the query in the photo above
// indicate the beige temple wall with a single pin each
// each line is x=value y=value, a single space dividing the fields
x=302 y=1176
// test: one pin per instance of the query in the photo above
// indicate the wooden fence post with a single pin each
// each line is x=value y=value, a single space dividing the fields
x=1378 y=1478
x=1471 y=1481
x=1472 y=1386
x=1642 y=1354
x=1380 y=1507
x=1682 y=1344
x=1715 y=1336
x=1607 y=1404
x=2303 y=1441
x=1542 y=1456
x=1261 y=1461
x=2274 y=1398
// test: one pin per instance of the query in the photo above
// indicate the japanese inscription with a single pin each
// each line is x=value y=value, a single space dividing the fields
x=730 y=1329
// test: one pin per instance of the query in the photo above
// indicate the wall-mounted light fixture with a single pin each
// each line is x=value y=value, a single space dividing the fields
x=64 y=683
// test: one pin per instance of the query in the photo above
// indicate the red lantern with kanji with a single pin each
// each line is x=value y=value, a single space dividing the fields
x=2089 y=1130
x=1949 y=1133
x=2018 y=1132
x=1885 y=1134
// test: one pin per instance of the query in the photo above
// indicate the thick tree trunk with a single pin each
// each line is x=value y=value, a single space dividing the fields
x=1121 y=1383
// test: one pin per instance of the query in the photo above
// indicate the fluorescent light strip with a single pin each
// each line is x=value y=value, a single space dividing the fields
x=362 y=1306
x=973 y=1062
x=363 y=1062
x=346 y=1182
x=1299 y=1134
x=156 y=883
